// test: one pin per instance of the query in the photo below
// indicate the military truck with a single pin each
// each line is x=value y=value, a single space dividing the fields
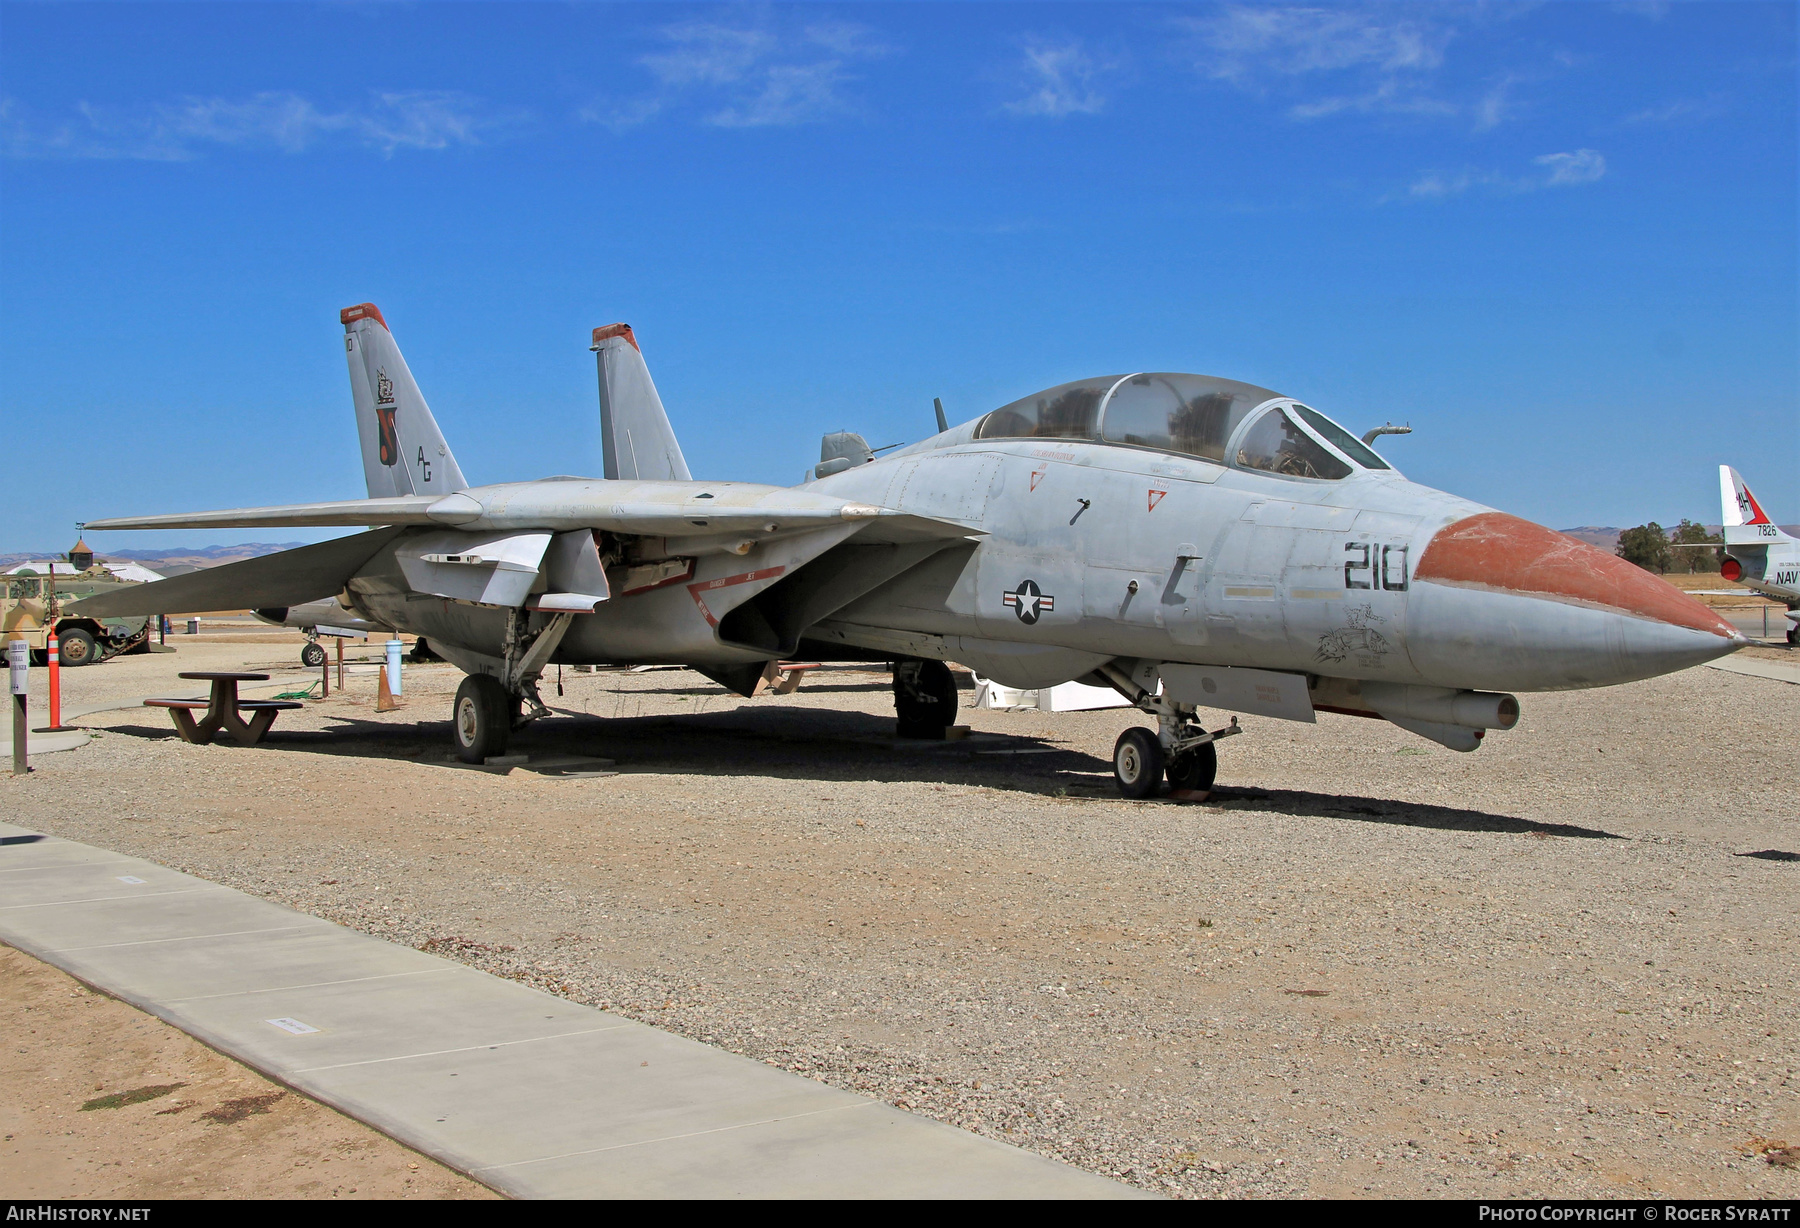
x=30 y=604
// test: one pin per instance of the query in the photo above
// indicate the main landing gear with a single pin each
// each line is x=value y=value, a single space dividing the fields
x=924 y=698
x=482 y=719
x=488 y=708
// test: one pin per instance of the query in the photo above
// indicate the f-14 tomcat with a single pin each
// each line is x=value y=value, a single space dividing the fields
x=1193 y=542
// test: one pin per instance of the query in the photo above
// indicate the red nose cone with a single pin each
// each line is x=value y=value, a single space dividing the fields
x=1506 y=554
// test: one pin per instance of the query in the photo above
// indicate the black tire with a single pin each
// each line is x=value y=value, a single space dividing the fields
x=75 y=648
x=1194 y=769
x=1138 y=763
x=421 y=652
x=924 y=698
x=313 y=655
x=481 y=718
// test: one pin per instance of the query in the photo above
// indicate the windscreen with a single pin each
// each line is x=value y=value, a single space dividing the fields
x=1341 y=439
x=1190 y=414
x=1276 y=444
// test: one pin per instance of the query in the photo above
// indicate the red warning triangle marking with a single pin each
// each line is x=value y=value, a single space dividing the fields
x=1037 y=475
x=1156 y=496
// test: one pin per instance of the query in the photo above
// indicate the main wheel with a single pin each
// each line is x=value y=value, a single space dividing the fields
x=1138 y=763
x=75 y=647
x=1194 y=769
x=481 y=720
x=313 y=655
x=924 y=698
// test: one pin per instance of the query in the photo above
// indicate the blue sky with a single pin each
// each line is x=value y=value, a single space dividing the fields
x=1559 y=239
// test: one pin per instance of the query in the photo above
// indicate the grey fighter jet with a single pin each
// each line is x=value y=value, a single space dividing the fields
x=1192 y=542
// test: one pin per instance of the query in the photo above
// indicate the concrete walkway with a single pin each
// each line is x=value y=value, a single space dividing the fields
x=535 y=1096
x=1756 y=667
x=42 y=743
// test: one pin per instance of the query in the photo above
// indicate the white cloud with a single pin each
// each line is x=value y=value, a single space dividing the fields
x=749 y=76
x=1364 y=59
x=1390 y=97
x=1491 y=111
x=1681 y=110
x=1566 y=169
x=1436 y=185
x=280 y=120
x=1059 y=79
x=1561 y=170
x=1246 y=41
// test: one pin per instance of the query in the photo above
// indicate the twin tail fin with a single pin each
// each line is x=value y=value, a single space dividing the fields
x=635 y=435
x=403 y=450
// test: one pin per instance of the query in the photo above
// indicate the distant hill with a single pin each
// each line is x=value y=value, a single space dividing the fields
x=1606 y=537
x=173 y=556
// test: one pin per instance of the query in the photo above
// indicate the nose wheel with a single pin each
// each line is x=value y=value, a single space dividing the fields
x=1194 y=769
x=1138 y=763
x=1190 y=759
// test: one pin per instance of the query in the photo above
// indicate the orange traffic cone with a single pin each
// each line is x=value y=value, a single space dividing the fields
x=384 y=698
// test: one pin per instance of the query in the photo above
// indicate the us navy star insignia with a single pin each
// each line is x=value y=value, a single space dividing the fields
x=1028 y=601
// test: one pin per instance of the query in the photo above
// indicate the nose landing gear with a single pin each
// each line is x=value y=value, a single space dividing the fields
x=1185 y=753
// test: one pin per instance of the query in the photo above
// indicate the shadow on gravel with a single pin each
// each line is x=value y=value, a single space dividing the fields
x=773 y=740
x=812 y=744
x=1771 y=855
x=1403 y=814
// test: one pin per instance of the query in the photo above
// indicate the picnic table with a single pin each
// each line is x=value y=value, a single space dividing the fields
x=223 y=710
x=783 y=677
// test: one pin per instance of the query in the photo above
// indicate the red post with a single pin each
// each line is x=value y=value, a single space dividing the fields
x=53 y=657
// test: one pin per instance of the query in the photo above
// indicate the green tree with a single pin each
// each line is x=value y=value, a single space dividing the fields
x=1647 y=546
x=1691 y=536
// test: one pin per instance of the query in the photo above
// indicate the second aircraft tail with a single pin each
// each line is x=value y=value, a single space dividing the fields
x=635 y=434
x=1743 y=517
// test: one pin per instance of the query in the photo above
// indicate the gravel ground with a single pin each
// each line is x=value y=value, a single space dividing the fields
x=1555 y=967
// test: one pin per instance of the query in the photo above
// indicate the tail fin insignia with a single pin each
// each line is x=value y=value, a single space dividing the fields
x=404 y=452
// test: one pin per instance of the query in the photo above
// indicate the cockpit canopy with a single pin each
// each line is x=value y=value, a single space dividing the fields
x=1190 y=415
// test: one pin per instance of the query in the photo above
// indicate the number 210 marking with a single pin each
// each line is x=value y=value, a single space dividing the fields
x=1366 y=562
